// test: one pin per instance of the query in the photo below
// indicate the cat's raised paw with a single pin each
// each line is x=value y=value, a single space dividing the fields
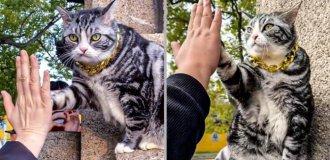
x=149 y=145
x=123 y=148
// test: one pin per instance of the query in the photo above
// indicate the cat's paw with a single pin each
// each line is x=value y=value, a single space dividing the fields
x=123 y=148
x=149 y=145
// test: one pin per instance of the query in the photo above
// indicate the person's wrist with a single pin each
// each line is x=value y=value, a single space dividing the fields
x=32 y=141
x=200 y=73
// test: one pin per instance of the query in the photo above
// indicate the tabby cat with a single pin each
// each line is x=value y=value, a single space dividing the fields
x=272 y=90
x=115 y=70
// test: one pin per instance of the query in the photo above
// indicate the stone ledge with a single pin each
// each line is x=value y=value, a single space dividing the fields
x=61 y=145
x=99 y=139
x=142 y=155
x=157 y=37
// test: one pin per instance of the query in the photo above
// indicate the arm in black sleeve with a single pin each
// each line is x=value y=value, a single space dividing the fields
x=14 y=150
x=187 y=107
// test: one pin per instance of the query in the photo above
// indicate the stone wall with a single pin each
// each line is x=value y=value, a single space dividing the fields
x=313 y=28
x=61 y=146
x=145 y=16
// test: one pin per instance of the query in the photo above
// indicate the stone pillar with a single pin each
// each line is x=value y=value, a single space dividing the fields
x=61 y=145
x=313 y=28
x=145 y=16
x=99 y=138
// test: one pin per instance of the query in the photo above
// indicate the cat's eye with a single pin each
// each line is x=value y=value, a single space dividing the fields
x=268 y=27
x=96 y=37
x=249 y=30
x=73 y=38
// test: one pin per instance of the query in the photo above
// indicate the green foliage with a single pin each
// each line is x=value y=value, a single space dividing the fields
x=221 y=110
x=32 y=25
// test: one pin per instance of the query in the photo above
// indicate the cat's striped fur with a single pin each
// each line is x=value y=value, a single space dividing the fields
x=275 y=110
x=129 y=90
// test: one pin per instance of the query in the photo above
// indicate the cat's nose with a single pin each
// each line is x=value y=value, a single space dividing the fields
x=254 y=37
x=83 y=49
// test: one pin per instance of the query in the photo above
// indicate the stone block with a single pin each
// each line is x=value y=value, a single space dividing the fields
x=61 y=145
x=98 y=137
x=142 y=155
x=313 y=29
x=145 y=16
x=157 y=37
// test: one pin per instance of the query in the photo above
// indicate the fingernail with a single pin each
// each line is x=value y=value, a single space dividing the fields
x=200 y=2
x=46 y=73
x=206 y=2
x=23 y=52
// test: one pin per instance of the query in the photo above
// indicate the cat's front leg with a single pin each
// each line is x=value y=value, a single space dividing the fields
x=78 y=95
x=296 y=138
x=136 y=119
x=239 y=80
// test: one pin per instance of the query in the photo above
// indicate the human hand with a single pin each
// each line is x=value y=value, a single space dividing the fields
x=200 y=52
x=31 y=115
x=72 y=122
x=57 y=116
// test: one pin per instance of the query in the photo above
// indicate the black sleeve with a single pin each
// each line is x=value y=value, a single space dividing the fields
x=14 y=150
x=187 y=107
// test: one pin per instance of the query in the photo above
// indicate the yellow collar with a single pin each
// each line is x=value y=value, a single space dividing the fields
x=92 y=70
x=256 y=61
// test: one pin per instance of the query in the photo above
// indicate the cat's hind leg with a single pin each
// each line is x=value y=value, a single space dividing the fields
x=136 y=119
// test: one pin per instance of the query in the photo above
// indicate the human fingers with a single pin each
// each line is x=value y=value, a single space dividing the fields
x=8 y=103
x=175 y=47
x=199 y=13
x=216 y=23
x=25 y=75
x=207 y=14
x=34 y=83
x=192 y=17
x=45 y=90
x=57 y=116
x=67 y=116
x=19 y=85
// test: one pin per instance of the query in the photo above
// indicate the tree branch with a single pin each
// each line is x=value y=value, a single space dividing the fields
x=36 y=37
x=10 y=39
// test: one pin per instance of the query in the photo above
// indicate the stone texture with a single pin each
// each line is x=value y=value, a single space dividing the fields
x=145 y=16
x=158 y=37
x=142 y=155
x=98 y=137
x=61 y=145
x=313 y=28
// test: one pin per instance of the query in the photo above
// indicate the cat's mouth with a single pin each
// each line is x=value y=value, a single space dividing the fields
x=259 y=48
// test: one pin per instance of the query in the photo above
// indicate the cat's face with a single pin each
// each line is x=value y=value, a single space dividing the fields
x=271 y=36
x=89 y=36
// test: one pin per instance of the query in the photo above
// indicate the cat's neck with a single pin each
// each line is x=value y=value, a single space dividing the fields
x=276 y=60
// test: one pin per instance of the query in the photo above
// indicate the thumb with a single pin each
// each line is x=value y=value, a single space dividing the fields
x=8 y=103
x=175 y=47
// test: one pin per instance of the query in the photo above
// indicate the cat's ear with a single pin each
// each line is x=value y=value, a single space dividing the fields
x=65 y=15
x=290 y=15
x=107 y=13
